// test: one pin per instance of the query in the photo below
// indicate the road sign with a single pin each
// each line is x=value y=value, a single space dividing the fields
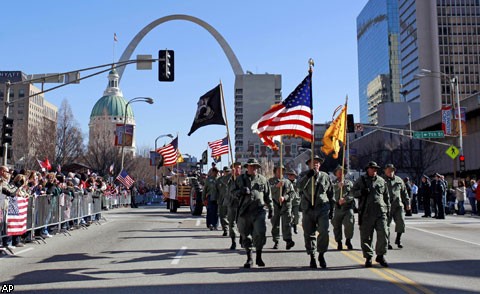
x=429 y=135
x=453 y=152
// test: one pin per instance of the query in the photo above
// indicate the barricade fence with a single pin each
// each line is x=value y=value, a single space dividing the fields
x=53 y=211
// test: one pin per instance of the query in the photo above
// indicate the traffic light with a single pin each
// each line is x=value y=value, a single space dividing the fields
x=350 y=124
x=462 y=163
x=7 y=130
x=166 y=65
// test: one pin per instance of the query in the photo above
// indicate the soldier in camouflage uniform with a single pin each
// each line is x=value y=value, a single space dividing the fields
x=210 y=195
x=292 y=176
x=222 y=191
x=374 y=207
x=399 y=199
x=253 y=192
x=343 y=215
x=232 y=204
x=316 y=214
x=282 y=195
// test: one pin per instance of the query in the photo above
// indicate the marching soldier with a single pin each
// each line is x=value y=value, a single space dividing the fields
x=292 y=176
x=282 y=194
x=232 y=204
x=374 y=206
x=316 y=214
x=253 y=192
x=210 y=195
x=343 y=213
x=222 y=191
x=399 y=199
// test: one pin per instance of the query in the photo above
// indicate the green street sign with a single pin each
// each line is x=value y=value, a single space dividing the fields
x=428 y=135
x=452 y=151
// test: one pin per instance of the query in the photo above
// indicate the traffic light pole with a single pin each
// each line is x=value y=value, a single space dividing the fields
x=5 y=114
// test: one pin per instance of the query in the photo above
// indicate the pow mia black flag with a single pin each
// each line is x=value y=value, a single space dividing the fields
x=204 y=157
x=209 y=111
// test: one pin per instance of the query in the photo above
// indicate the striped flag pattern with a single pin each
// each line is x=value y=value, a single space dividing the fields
x=292 y=117
x=17 y=216
x=219 y=147
x=169 y=152
x=125 y=179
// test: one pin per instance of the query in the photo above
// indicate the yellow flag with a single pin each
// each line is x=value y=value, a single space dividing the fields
x=335 y=133
x=180 y=157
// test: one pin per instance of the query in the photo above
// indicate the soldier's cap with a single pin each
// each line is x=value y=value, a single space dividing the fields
x=317 y=158
x=438 y=175
x=426 y=177
x=236 y=163
x=390 y=165
x=226 y=169
x=291 y=172
x=372 y=164
x=339 y=167
x=279 y=166
x=252 y=161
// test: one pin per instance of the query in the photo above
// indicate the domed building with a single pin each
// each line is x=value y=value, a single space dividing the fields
x=108 y=116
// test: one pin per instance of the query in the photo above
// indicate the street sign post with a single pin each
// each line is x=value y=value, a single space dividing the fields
x=428 y=135
x=453 y=152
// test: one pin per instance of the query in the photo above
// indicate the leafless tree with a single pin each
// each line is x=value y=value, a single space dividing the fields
x=69 y=145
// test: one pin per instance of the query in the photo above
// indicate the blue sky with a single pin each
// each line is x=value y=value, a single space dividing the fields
x=277 y=37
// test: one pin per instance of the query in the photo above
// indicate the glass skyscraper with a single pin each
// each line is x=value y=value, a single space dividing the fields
x=378 y=56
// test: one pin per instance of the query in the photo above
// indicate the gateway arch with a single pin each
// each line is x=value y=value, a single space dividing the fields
x=236 y=67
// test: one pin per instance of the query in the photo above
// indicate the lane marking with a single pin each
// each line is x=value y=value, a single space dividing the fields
x=395 y=278
x=445 y=236
x=198 y=222
x=179 y=255
x=7 y=255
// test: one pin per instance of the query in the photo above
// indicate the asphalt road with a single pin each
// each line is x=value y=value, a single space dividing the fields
x=150 y=250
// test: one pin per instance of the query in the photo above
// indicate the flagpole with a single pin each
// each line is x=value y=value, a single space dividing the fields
x=114 y=41
x=226 y=122
x=344 y=145
x=281 y=164
x=311 y=64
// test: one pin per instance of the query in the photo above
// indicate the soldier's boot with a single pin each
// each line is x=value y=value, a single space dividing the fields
x=249 y=262
x=368 y=262
x=258 y=258
x=321 y=261
x=381 y=260
x=290 y=244
x=313 y=262
x=225 y=233
x=339 y=246
x=240 y=241
x=398 y=241
x=295 y=229
x=275 y=245
x=349 y=244
x=389 y=245
x=234 y=244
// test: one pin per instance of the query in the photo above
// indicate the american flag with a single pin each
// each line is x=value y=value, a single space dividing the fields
x=125 y=179
x=219 y=147
x=292 y=117
x=17 y=216
x=169 y=152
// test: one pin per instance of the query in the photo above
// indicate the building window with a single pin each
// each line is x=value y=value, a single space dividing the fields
x=21 y=93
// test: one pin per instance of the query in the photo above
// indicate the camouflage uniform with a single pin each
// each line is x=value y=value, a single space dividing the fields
x=374 y=205
x=295 y=201
x=343 y=214
x=315 y=216
x=398 y=199
x=253 y=192
x=210 y=194
x=282 y=211
x=222 y=207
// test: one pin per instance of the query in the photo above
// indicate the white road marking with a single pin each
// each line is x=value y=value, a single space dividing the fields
x=444 y=236
x=17 y=252
x=179 y=255
x=198 y=223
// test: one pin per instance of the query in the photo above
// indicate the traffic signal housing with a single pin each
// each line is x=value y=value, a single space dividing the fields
x=7 y=130
x=350 y=124
x=462 y=163
x=166 y=65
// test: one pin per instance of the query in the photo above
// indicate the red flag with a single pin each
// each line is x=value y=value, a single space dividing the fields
x=45 y=164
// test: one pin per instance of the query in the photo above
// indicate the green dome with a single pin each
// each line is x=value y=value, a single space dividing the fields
x=111 y=106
